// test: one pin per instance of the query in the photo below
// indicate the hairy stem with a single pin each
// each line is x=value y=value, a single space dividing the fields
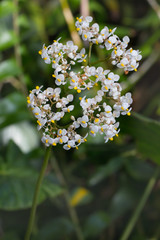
x=140 y=206
x=71 y=209
x=36 y=193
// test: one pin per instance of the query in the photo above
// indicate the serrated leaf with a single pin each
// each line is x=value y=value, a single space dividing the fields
x=7 y=39
x=8 y=68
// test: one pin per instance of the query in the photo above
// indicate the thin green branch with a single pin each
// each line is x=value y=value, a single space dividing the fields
x=71 y=209
x=140 y=206
x=36 y=194
x=89 y=54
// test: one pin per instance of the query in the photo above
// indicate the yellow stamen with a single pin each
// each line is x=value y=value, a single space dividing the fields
x=96 y=76
x=76 y=147
x=59 y=80
x=39 y=123
x=40 y=52
x=37 y=87
x=106 y=88
x=102 y=34
x=102 y=129
x=80 y=98
x=135 y=69
x=129 y=114
x=88 y=88
x=115 y=51
x=85 y=35
x=68 y=146
x=54 y=41
x=79 y=141
x=79 y=20
x=115 y=48
x=54 y=144
x=45 y=47
x=83 y=122
x=109 y=42
x=46 y=141
x=61 y=141
x=85 y=139
x=73 y=80
x=110 y=30
x=60 y=131
x=84 y=60
x=111 y=139
x=96 y=42
x=108 y=111
x=122 y=108
x=54 y=61
x=36 y=113
x=122 y=64
x=68 y=110
x=92 y=132
x=116 y=134
x=28 y=101
x=96 y=120
x=131 y=50
x=45 y=58
x=75 y=88
x=96 y=84
x=86 y=100
x=77 y=29
x=79 y=90
x=52 y=121
x=83 y=55
x=53 y=75
x=59 y=54
x=109 y=78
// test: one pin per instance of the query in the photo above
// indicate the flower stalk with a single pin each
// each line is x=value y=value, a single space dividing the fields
x=36 y=194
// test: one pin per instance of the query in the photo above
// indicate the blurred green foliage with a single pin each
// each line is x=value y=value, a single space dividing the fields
x=113 y=174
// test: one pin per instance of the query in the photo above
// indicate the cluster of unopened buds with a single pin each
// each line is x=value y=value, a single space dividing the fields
x=99 y=99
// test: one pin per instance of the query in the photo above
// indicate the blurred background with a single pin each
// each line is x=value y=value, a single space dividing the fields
x=105 y=182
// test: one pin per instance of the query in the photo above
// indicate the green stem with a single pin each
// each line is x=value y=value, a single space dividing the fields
x=89 y=54
x=140 y=206
x=101 y=60
x=36 y=193
x=71 y=209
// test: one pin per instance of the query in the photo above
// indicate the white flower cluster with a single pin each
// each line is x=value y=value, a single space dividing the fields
x=98 y=113
x=122 y=58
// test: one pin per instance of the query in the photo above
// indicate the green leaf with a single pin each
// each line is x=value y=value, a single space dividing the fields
x=8 y=68
x=106 y=170
x=7 y=39
x=147 y=134
x=7 y=7
x=53 y=229
x=18 y=180
x=95 y=224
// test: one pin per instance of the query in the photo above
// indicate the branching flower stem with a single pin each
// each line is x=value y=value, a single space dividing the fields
x=71 y=209
x=36 y=193
x=140 y=206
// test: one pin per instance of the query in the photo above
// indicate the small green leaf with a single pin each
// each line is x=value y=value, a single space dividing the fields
x=8 y=68
x=7 y=39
